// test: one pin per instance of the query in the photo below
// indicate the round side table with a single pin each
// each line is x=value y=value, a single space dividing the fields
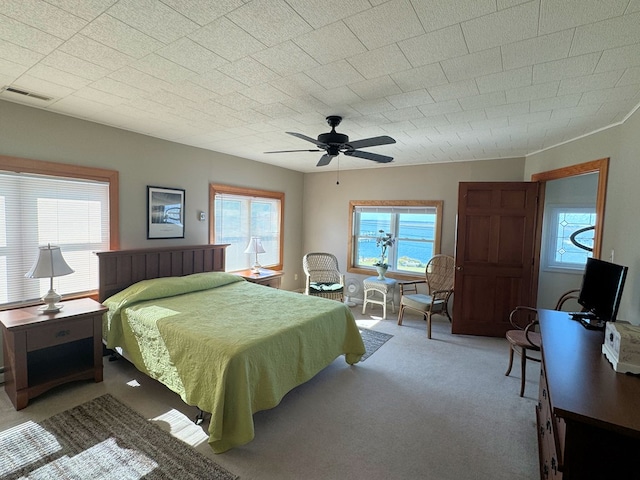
x=374 y=288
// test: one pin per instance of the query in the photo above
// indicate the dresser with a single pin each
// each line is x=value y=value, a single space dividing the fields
x=588 y=416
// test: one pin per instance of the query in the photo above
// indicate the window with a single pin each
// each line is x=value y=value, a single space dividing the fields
x=47 y=203
x=241 y=213
x=562 y=223
x=415 y=225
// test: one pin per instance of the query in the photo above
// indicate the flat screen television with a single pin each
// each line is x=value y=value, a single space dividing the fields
x=601 y=290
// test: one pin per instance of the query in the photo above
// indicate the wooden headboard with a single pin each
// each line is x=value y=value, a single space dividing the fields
x=121 y=268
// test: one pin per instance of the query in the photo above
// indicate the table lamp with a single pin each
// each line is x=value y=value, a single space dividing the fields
x=49 y=264
x=255 y=247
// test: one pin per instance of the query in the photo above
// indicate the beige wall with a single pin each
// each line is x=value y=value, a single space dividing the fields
x=621 y=227
x=326 y=205
x=142 y=160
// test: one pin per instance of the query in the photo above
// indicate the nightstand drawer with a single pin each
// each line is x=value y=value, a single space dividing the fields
x=62 y=332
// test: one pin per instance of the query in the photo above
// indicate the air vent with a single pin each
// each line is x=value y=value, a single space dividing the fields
x=16 y=93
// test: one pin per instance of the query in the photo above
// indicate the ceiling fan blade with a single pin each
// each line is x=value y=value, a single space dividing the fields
x=308 y=139
x=371 y=142
x=369 y=156
x=325 y=160
x=287 y=151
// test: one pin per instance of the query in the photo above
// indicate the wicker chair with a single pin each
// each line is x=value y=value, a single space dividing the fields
x=524 y=337
x=439 y=282
x=323 y=276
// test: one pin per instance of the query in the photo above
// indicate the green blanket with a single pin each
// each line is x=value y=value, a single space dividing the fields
x=228 y=346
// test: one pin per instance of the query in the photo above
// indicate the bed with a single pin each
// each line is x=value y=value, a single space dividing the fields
x=228 y=346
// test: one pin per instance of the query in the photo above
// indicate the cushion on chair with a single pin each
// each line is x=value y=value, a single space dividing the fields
x=420 y=301
x=324 y=287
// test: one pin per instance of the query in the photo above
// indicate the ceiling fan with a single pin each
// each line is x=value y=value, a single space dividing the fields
x=334 y=143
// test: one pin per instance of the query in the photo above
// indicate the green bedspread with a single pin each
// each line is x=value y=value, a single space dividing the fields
x=228 y=346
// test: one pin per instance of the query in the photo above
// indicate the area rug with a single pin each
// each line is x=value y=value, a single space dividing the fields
x=100 y=439
x=373 y=340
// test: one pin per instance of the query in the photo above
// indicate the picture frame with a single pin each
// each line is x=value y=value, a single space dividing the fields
x=165 y=212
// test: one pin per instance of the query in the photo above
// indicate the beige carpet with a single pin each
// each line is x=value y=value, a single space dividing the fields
x=100 y=439
x=439 y=409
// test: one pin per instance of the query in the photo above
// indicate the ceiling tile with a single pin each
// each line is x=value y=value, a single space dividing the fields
x=26 y=36
x=441 y=108
x=434 y=46
x=616 y=32
x=472 y=65
x=410 y=99
x=270 y=21
x=520 y=77
x=436 y=14
x=506 y=26
x=482 y=101
x=552 y=103
x=335 y=74
x=74 y=65
x=409 y=113
x=388 y=23
x=203 y=11
x=138 y=79
x=86 y=9
x=319 y=13
x=20 y=55
x=218 y=82
x=421 y=77
x=375 y=88
x=58 y=77
x=453 y=90
x=113 y=33
x=565 y=68
x=189 y=54
x=618 y=58
x=265 y=94
x=330 y=43
x=285 y=59
x=226 y=39
x=542 y=90
x=537 y=50
x=43 y=16
x=298 y=84
x=558 y=15
x=338 y=96
x=95 y=52
x=160 y=67
x=589 y=82
x=381 y=61
x=248 y=71
x=11 y=70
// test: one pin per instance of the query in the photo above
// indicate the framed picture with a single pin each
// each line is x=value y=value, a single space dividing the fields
x=165 y=212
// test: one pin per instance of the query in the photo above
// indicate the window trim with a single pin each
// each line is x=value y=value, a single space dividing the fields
x=64 y=170
x=437 y=204
x=246 y=192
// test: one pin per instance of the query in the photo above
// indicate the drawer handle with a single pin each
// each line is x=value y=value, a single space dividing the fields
x=549 y=425
x=554 y=465
x=544 y=393
x=545 y=471
x=63 y=333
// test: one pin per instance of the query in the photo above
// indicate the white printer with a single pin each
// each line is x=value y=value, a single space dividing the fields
x=622 y=346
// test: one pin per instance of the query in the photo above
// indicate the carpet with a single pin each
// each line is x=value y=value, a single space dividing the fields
x=101 y=439
x=373 y=340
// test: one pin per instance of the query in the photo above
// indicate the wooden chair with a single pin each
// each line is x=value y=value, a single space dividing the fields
x=323 y=277
x=524 y=338
x=439 y=281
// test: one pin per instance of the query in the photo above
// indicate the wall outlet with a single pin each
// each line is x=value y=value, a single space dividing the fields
x=295 y=276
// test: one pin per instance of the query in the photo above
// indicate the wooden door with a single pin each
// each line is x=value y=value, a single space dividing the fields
x=494 y=255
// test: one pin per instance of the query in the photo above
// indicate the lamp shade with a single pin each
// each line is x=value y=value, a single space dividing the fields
x=255 y=246
x=50 y=263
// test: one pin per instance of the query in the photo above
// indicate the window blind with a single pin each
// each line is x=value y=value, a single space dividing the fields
x=240 y=217
x=37 y=210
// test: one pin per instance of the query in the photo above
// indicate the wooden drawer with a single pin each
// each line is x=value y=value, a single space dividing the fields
x=58 y=333
x=271 y=282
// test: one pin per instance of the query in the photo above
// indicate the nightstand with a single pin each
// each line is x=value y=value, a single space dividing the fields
x=269 y=278
x=42 y=351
